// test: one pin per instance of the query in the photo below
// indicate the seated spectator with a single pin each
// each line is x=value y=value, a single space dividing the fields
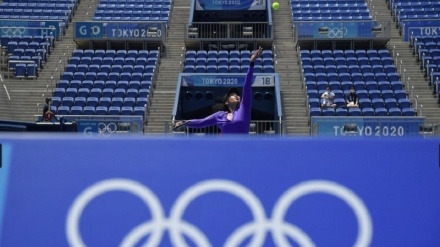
x=48 y=115
x=327 y=99
x=351 y=98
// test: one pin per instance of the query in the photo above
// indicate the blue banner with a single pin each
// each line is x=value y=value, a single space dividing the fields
x=230 y=4
x=120 y=30
x=368 y=126
x=40 y=27
x=225 y=80
x=89 y=30
x=70 y=191
x=420 y=28
x=335 y=30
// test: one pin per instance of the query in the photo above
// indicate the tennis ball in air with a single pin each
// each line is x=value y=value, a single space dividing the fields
x=275 y=5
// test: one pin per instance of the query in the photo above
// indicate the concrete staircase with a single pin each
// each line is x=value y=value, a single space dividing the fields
x=27 y=95
x=416 y=85
x=292 y=93
x=169 y=69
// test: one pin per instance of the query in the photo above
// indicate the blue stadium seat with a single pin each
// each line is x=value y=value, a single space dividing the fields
x=78 y=76
x=119 y=92
x=105 y=101
x=127 y=110
x=316 y=111
x=394 y=112
x=139 y=111
x=354 y=112
x=375 y=94
x=200 y=69
x=234 y=69
x=141 y=102
x=381 y=112
x=101 y=110
x=83 y=92
x=408 y=112
x=400 y=94
x=129 y=102
x=268 y=69
x=76 y=110
x=71 y=92
x=20 y=70
x=117 y=101
x=92 y=101
x=114 y=110
x=63 y=110
x=67 y=101
x=341 y=112
x=365 y=103
x=80 y=101
x=99 y=84
x=328 y=112
x=372 y=85
x=368 y=112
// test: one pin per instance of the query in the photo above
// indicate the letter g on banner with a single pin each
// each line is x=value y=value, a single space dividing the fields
x=178 y=227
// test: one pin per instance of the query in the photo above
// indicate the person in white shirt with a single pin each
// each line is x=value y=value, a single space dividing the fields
x=327 y=99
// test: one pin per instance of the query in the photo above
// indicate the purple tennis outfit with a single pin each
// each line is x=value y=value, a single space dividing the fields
x=241 y=119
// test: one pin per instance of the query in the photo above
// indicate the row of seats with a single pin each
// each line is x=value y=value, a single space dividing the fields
x=135 y=2
x=29 y=70
x=113 y=61
x=345 y=53
x=41 y=1
x=102 y=76
x=358 y=85
x=227 y=69
x=100 y=110
x=414 y=10
x=39 y=5
x=347 y=61
x=89 y=84
x=115 y=53
x=12 y=46
x=225 y=54
x=351 y=77
x=343 y=2
x=5 y=39
x=102 y=101
x=332 y=18
x=98 y=93
x=129 y=13
x=133 y=18
x=134 y=7
x=376 y=103
x=95 y=68
x=325 y=4
x=362 y=94
x=25 y=60
x=366 y=112
x=367 y=68
x=226 y=61
x=37 y=11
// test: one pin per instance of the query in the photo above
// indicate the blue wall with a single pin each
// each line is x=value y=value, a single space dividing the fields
x=308 y=192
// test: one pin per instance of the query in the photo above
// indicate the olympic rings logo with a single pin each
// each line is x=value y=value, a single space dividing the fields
x=337 y=32
x=178 y=227
x=107 y=129
x=13 y=30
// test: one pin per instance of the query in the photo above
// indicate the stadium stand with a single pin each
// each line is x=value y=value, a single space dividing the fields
x=117 y=77
x=108 y=91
